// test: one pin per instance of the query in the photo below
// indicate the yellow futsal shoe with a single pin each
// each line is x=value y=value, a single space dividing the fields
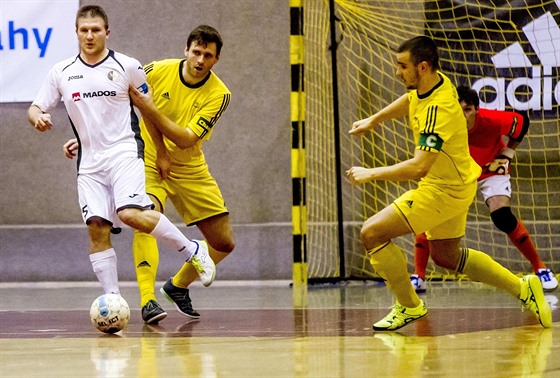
x=532 y=297
x=400 y=316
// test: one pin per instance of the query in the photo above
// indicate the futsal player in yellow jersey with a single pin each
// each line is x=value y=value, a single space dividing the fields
x=447 y=185
x=185 y=101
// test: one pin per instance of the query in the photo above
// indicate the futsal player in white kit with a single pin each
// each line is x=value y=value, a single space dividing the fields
x=94 y=86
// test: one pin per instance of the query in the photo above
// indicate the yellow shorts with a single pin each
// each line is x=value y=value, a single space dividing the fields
x=194 y=194
x=441 y=214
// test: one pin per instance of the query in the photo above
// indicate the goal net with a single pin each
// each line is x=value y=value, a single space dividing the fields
x=509 y=51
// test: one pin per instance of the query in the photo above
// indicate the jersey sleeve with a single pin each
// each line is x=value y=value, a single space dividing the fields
x=430 y=138
x=511 y=124
x=205 y=119
x=137 y=76
x=49 y=95
x=148 y=69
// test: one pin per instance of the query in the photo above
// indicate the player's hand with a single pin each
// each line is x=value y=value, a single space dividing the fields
x=70 y=147
x=43 y=122
x=359 y=175
x=501 y=163
x=362 y=126
x=163 y=164
x=140 y=99
x=499 y=166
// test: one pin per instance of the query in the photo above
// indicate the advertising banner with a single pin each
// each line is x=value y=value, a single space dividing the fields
x=34 y=35
x=509 y=51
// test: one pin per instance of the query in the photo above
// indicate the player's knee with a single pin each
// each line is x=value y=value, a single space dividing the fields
x=443 y=261
x=438 y=260
x=99 y=234
x=504 y=219
x=97 y=223
x=365 y=238
x=224 y=246
x=129 y=216
x=370 y=238
x=98 y=228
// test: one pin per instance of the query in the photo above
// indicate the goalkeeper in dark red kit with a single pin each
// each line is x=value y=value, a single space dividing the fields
x=486 y=129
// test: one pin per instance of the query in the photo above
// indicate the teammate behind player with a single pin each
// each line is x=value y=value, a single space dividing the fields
x=486 y=129
x=111 y=181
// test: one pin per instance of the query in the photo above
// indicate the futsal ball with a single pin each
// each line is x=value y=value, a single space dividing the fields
x=109 y=313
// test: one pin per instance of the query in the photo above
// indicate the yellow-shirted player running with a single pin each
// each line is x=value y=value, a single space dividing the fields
x=185 y=101
x=438 y=206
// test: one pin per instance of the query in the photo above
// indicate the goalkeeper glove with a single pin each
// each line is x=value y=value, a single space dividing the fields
x=500 y=165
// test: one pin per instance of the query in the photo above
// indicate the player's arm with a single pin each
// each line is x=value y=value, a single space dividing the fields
x=396 y=109
x=411 y=169
x=163 y=163
x=40 y=120
x=182 y=137
x=135 y=91
x=38 y=113
x=518 y=130
x=142 y=97
x=514 y=125
x=204 y=120
x=517 y=125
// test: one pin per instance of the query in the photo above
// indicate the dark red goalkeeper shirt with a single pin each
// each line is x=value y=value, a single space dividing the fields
x=485 y=138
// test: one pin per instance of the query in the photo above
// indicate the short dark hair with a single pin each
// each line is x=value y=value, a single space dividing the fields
x=421 y=49
x=468 y=95
x=203 y=35
x=92 y=11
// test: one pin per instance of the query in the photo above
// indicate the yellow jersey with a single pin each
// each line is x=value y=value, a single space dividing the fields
x=439 y=126
x=197 y=107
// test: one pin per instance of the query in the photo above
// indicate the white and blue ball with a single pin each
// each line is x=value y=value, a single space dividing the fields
x=109 y=313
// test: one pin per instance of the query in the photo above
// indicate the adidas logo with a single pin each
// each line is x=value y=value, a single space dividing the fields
x=144 y=263
x=166 y=95
x=409 y=203
x=542 y=35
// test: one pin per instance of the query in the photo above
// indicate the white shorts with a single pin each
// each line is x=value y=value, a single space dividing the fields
x=496 y=185
x=103 y=194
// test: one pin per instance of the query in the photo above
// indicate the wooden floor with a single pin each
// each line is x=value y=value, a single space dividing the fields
x=268 y=329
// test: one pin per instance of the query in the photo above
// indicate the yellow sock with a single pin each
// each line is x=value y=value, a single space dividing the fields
x=185 y=276
x=390 y=263
x=478 y=266
x=188 y=274
x=146 y=261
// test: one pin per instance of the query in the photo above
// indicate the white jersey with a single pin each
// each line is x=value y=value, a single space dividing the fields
x=99 y=107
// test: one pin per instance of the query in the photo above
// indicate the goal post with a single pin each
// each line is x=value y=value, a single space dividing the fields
x=509 y=51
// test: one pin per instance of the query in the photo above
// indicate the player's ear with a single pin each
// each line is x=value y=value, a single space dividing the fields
x=108 y=32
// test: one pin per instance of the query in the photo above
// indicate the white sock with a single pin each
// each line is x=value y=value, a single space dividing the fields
x=105 y=267
x=168 y=233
